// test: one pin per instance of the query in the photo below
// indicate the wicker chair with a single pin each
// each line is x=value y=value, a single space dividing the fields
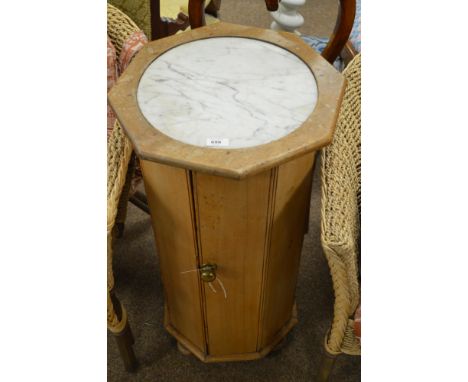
x=120 y=168
x=341 y=211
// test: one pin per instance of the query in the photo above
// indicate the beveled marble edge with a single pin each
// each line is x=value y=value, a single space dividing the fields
x=151 y=144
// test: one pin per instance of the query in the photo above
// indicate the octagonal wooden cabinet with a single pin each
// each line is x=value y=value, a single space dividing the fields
x=226 y=120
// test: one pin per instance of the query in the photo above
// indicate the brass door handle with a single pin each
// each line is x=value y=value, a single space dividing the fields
x=208 y=272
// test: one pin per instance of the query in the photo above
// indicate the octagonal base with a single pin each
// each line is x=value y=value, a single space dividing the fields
x=184 y=345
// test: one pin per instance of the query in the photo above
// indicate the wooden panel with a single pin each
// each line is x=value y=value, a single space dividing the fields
x=167 y=189
x=232 y=225
x=287 y=232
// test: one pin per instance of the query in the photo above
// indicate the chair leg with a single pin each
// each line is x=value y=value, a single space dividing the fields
x=326 y=366
x=124 y=196
x=140 y=200
x=118 y=326
x=124 y=341
x=119 y=229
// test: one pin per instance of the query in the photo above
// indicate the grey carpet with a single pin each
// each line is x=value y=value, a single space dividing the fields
x=139 y=287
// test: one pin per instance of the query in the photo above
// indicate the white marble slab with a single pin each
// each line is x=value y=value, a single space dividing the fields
x=240 y=91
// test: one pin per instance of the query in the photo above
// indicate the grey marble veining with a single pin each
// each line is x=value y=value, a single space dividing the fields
x=240 y=91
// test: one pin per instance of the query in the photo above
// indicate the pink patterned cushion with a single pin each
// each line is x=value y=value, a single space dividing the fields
x=130 y=48
x=112 y=75
x=357 y=323
x=116 y=66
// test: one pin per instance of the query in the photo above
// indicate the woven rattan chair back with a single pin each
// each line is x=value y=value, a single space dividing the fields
x=340 y=217
x=119 y=27
x=119 y=154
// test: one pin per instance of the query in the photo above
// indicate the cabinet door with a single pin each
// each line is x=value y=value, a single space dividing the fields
x=232 y=227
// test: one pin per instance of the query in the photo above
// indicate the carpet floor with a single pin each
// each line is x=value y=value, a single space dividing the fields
x=138 y=284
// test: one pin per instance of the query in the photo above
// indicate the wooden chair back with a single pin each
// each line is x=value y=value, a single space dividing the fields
x=163 y=27
x=147 y=15
x=338 y=39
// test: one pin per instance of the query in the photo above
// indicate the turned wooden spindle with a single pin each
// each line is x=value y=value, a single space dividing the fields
x=287 y=17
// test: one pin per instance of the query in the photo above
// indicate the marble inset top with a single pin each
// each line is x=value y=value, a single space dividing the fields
x=238 y=91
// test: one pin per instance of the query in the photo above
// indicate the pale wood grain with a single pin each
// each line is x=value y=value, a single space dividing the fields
x=168 y=195
x=287 y=232
x=253 y=230
x=232 y=225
